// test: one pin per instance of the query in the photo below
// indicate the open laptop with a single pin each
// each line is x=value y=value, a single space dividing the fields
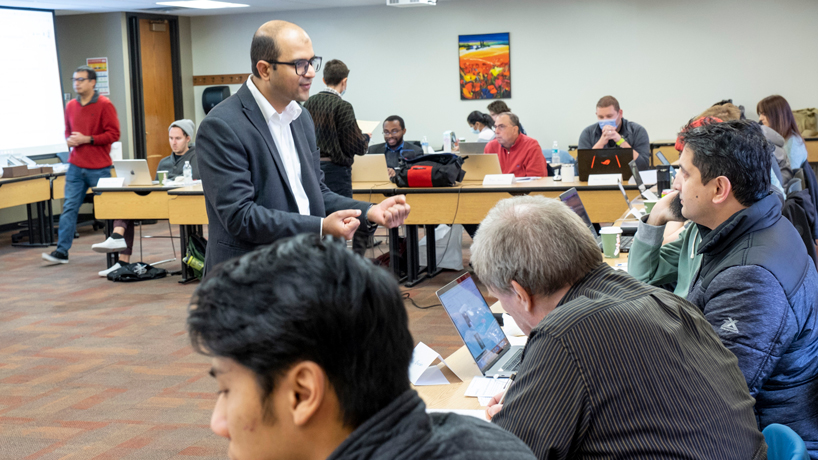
x=477 y=166
x=641 y=185
x=604 y=161
x=135 y=172
x=467 y=148
x=663 y=159
x=480 y=331
x=571 y=198
x=370 y=168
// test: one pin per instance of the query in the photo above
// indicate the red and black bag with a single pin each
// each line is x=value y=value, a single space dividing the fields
x=435 y=170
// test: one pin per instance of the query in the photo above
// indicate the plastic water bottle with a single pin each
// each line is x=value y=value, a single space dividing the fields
x=555 y=155
x=187 y=171
x=424 y=144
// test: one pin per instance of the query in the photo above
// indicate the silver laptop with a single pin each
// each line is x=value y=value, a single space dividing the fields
x=478 y=166
x=467 y=148
x=135 y=172
x=480 y=331
x=370 y=168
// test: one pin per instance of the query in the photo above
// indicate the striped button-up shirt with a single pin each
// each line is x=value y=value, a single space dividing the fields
x=621 y=369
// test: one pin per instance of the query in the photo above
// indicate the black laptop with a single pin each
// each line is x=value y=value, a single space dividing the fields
x=571 y=198
x=604 y=161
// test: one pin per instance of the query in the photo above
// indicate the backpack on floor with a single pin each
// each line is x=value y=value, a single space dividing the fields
x=137 y=272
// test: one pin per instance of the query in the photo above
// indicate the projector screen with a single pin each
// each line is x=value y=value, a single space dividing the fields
x=32 y=118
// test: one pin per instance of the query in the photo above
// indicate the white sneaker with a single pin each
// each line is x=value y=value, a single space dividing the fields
x=104 y=273
x=110 y=245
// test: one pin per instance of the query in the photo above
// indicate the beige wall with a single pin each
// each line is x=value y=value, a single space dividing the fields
x=665 y=61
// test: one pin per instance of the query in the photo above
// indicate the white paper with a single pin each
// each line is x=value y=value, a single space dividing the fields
x=498 y=179
x=483 y=401
x=604 y=179
x=368 y=127
x=510 y=326
x=111 y=182
x=467 y=412
x=421 y=371
x=486 y=387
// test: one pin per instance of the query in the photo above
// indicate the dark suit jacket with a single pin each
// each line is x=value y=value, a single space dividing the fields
x=247 y=194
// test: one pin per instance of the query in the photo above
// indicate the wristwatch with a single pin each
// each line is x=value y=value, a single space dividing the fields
x=92 y=140
x=620 y=141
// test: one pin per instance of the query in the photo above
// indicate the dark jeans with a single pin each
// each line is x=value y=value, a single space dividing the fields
x=77 y=182
x=339 y=180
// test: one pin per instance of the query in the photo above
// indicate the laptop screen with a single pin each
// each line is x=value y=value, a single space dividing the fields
x=571 y=198
x=473 y=320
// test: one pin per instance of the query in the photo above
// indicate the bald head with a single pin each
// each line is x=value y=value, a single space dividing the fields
x=269 y=41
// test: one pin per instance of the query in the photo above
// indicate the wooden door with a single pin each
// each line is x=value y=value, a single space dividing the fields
x=157 y=88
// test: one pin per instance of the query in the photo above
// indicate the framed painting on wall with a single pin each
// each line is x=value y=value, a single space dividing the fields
x=485 y=67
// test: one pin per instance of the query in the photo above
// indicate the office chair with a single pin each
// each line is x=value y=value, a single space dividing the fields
x=783 y=443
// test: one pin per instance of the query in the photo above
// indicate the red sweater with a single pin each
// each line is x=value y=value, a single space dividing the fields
x=97 y=119
x=525 y=159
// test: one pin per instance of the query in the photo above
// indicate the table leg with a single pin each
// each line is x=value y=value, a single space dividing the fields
x=35 y=236
x=413 y=276
x=431 y=252
x=184 y=232
x=112 y=257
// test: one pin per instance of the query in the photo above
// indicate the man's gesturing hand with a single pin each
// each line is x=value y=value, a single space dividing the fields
x=390 y=212
x=341 y=224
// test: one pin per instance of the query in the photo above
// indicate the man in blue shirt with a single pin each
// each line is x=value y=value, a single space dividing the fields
x=395 y=147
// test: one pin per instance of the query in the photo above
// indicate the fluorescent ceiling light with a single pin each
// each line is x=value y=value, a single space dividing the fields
x=202 y=4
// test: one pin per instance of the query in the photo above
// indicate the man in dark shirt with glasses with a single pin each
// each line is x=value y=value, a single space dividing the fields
x=394 y=147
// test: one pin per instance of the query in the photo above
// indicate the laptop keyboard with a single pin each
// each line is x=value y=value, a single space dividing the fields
x=514 y=362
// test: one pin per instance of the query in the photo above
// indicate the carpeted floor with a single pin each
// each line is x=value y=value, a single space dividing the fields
x=91 y=369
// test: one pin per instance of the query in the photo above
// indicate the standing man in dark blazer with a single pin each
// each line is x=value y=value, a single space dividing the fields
x=259 y=161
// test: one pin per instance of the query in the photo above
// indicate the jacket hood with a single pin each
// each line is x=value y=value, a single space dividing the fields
x=773 y=136
x=762 y=214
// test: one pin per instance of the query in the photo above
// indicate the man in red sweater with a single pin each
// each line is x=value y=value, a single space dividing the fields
x=518 y=154
x=91 y=126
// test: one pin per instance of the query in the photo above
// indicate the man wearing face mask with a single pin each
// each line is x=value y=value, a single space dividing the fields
x=336 y=130
x=612 y=131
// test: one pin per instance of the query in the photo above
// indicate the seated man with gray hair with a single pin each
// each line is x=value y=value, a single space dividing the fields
x=613 y=368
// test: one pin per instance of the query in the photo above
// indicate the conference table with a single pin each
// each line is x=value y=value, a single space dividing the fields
x=31 y=191
x=465 y=203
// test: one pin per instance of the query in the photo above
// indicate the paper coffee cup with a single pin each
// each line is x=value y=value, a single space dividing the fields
x=568 y=173
x=649 y=205
x=163 y=176
x=610 y=241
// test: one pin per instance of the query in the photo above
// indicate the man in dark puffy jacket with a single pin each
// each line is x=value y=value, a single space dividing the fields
x=310 y=349
x=756 y=285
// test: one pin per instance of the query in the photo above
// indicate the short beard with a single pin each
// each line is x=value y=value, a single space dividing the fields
x=676 y=207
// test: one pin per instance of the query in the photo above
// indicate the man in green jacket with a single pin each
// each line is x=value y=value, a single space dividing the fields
x=676 y=262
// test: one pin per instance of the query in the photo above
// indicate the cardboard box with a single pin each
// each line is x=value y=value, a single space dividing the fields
x=46 y=170
x=15 y=171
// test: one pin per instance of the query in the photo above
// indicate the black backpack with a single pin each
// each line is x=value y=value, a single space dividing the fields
x=137 y=272
x=435 y=170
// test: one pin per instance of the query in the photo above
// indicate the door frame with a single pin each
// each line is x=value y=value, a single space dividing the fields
x=135 y=52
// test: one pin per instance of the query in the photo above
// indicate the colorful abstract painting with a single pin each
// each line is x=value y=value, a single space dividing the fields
x=485 y=68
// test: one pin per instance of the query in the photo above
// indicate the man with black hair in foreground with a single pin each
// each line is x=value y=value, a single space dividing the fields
x=310 y=348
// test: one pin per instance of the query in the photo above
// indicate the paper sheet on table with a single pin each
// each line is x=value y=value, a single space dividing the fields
x=467 y=412
x=421 y=371
x=483 y=401
x=486 y=387
x=368 y=127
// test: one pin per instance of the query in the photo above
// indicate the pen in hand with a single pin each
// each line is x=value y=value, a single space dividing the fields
x=511 y=380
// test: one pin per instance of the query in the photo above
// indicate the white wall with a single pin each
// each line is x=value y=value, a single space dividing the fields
x=99 y=35
x=665 y=61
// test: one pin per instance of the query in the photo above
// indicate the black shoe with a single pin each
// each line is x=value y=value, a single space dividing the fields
x=56 y=257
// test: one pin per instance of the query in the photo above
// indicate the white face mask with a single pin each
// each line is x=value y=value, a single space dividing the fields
x=474 y=130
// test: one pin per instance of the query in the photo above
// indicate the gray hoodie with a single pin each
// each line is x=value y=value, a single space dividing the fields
x=780 y=154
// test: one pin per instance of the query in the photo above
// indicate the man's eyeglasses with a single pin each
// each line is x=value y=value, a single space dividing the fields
x=80 y=79
x=302 y=65
x=394 y=132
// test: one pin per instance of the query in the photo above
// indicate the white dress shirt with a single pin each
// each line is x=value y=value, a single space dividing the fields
x=279 y=124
